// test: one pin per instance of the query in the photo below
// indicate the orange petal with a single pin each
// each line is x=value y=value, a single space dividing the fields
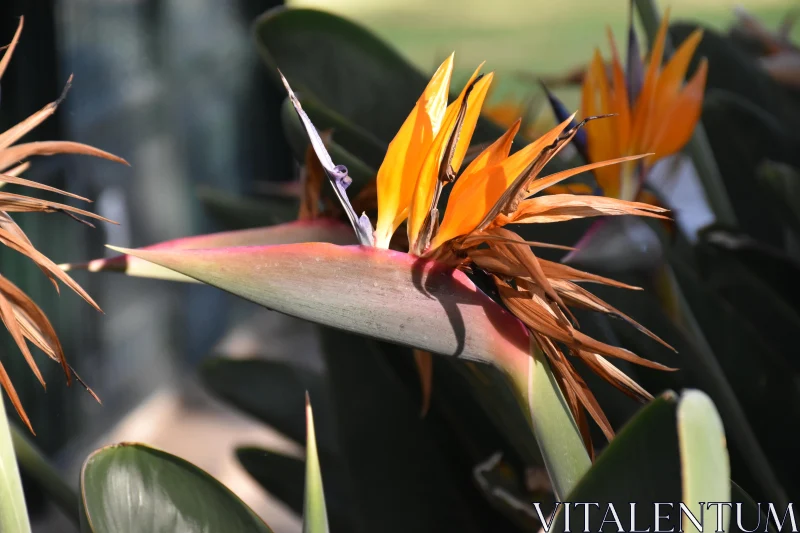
x=397 y=174
x=493 y=155
x=619 y=99
x=644 y=104
x=601 y=140
x=546 y=182
x=561 y=207
x=425 y=188
x=466 y=209
x=684 y=115
x=669 y=87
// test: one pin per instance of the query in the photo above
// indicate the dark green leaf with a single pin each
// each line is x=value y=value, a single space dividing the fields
x=241 y=212
x=388 y=448
x=274 y=393
x=131 y=488
x=742 y=137
x=347 y=74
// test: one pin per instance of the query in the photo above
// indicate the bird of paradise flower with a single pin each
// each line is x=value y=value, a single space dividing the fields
x=495 y=189
x=656 y=112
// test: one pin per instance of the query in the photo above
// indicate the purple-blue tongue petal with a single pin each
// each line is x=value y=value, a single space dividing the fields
x=634 y=68
x=580 y=141
x=337 y=174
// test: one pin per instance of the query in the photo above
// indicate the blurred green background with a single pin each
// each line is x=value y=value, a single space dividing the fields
x=534 y=37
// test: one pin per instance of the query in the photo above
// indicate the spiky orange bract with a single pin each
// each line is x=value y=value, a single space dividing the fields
x=496 y=189
x=660 y=121
x=24 y=320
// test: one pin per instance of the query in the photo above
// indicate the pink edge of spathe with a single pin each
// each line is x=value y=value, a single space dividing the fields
x=508 y=342
x=119 y=263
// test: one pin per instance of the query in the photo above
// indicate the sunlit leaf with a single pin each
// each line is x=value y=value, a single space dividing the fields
x=132 y=488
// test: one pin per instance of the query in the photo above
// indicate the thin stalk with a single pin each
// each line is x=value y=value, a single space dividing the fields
x=13 y=512
x=729 y=404
x=35 y=464
x=565 y=457
x=698 y=147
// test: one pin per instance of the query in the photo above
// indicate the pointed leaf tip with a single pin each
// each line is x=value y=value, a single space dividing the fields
x=315 y=515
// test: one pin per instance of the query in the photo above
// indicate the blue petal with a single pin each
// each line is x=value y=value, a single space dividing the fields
x=634 y=75
x=580 y=141
x=337 y=174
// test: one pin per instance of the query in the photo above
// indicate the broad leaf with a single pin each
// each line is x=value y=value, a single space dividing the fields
x=705 y=471
x=234 y=211
x=749 y=373
x=343 y=70
x=782 y=183
x=387 y=447
x=742 y=137
x=131 y=488
x=656 y=458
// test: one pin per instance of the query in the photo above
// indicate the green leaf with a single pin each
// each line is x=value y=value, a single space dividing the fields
x=280 y=475
x=742 y=377
x=387 y=447
x=364 y=151
x=235 y=211
x=757 y=283
x=742 y=137
x=559 y=439
x=13 y=513
x=641 y=465
x=666 y=441
x=321 y=230
x=342 y=67
x=705 y=469
x=131 y=488
x=782 y=183
x=759 y=378
x=315 y=515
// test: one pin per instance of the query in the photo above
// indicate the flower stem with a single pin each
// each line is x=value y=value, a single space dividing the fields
x=698 y=147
